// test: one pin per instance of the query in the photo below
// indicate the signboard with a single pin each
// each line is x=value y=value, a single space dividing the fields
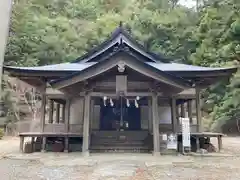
x=164 y=137
x=186 y=132
x=172 y=141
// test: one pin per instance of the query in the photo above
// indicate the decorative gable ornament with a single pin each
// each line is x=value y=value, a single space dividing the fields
x=121 y=67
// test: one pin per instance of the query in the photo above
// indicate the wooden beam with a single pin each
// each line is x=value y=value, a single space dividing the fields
x=85 y=146
x=51 y=91
x=102 y=94
x=156 y=139
x=56 y=96
x=185 y=96
x=190 y=91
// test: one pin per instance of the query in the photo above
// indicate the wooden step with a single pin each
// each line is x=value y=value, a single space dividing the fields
x=120 y=148
x=133 y=134
x=119 y=151
x=117 y=142
x=119 y=137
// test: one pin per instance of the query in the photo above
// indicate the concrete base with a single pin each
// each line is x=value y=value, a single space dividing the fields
x=156 y=153
x=66 y=151
x=43 y=151
x=86 y=153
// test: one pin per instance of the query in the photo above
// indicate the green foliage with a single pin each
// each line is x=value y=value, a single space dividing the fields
x=1 y=133
x=47 y=32
x=219 y=42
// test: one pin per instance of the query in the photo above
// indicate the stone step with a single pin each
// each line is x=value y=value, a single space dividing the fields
x=119 y=151
x=117 y=144
x=120 y=133
x=119 y=148
x=116 y=140
x=119 y=137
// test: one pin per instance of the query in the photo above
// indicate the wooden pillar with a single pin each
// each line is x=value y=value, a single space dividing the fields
x=219 y=143
x=155 y=118
x=183 y=114
x=189 y=109
x=66 y=144
x=43 y=111
x=177 y=113
x=150 y=124
x=57 y=113
x=66 y=118
x=32 y=144
x=91 y=114
x=63 y=113
x=43 y=106
x=198 y=143
x=85 y=146
x=198 y=110
x=50 y=120
x=21 y=143
x=174 y=115
x=44 y=141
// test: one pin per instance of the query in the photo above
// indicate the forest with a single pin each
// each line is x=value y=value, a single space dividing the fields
x=46 y=32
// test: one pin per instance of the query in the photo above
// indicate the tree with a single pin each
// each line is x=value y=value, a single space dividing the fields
x=47 y=32
x=218 y=37
x=21 y=100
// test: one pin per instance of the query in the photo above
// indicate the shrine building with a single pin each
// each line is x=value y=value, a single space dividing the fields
x=118 y=96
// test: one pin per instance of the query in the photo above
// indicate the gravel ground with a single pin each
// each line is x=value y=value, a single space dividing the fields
x=72 y=166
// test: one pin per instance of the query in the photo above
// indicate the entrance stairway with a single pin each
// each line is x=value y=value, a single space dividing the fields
x=119 y=141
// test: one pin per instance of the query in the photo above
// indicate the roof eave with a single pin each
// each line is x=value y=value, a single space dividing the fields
x=206 y=73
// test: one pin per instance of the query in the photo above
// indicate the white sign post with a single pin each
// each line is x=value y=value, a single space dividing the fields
x=186 y=142
x=172 y=141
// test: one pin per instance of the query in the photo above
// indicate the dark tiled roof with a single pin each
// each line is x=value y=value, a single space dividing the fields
x=74 y=67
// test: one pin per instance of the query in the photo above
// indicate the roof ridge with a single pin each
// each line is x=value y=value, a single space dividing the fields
x=120 y=35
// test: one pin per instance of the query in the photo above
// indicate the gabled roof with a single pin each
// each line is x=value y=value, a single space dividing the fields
x=131 y=62
x=120 y=37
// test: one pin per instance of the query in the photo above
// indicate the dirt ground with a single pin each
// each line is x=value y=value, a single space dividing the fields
x=73 y=166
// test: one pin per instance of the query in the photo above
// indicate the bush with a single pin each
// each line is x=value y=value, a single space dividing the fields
x=1 y=133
